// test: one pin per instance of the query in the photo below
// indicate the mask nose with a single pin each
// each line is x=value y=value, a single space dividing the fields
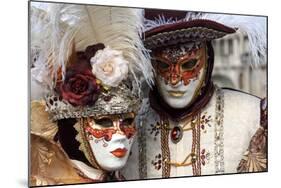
x=175 y=76
x=118 y=128
x=120 y=138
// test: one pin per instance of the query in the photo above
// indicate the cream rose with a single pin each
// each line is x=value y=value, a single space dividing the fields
x=109 y=66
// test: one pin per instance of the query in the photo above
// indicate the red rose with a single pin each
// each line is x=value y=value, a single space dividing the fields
x=79 y=88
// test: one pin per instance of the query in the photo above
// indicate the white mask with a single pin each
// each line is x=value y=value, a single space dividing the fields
x=112 y=155
x=180 y=74
x=110 y=140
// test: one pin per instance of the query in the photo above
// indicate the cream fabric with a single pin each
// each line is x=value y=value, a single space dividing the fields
x=241 y=120
x=89 y=171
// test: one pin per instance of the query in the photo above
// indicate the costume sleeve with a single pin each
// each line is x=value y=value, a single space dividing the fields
x=255 y=158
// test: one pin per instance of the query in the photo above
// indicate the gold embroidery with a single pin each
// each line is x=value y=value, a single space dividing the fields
x=192 y=158
x=47 y=157
x=40 y=123
x=166 y=168
x=196 y=166
x=219 y=132
x=84 y=144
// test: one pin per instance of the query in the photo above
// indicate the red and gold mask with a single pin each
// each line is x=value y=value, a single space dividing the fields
x=177 y=64
x=105 y=126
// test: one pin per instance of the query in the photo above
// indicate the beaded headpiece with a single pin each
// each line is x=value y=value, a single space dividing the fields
x=118 y=100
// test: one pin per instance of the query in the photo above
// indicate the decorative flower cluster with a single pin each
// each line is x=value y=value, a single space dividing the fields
x=109 y=66
x=97 y=68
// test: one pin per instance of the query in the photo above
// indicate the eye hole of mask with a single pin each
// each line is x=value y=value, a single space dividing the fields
x=127 y=121
x=104 y=122
x=160 y=64
x=189 y=65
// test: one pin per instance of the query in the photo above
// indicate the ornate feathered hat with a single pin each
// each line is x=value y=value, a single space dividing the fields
x=88 y=60
x=164 y=28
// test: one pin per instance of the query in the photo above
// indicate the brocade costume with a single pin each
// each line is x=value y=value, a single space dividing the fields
x=220 y=131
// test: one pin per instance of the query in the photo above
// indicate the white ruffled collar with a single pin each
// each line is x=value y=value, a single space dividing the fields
x=88 y=171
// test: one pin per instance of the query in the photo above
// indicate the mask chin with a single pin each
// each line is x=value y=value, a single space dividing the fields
x=110 y=156
x=180 y=95
x=113 y=166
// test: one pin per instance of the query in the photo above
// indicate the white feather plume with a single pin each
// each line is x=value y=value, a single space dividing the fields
x=39 y=32
x=119 y=28
x=161 y=20
x=255 y=27
x=54 y=33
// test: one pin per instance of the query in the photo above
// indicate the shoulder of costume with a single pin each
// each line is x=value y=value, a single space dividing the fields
x=242 y=108
x=239 y=92
x=47 y=157
x=244 y=98
x=247 y=103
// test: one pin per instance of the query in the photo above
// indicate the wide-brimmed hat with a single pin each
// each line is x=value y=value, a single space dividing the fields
x=186 y=31
x=167 y=28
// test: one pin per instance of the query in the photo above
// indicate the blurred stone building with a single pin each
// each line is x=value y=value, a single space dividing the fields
x=232 y=67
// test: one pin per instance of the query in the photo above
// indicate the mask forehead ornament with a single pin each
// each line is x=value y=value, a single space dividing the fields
x=175 y=53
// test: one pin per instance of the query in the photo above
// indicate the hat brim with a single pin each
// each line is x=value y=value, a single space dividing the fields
x=185 y=31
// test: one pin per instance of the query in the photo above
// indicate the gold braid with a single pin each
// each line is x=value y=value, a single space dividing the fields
x=166 y=167
x=88 y=153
